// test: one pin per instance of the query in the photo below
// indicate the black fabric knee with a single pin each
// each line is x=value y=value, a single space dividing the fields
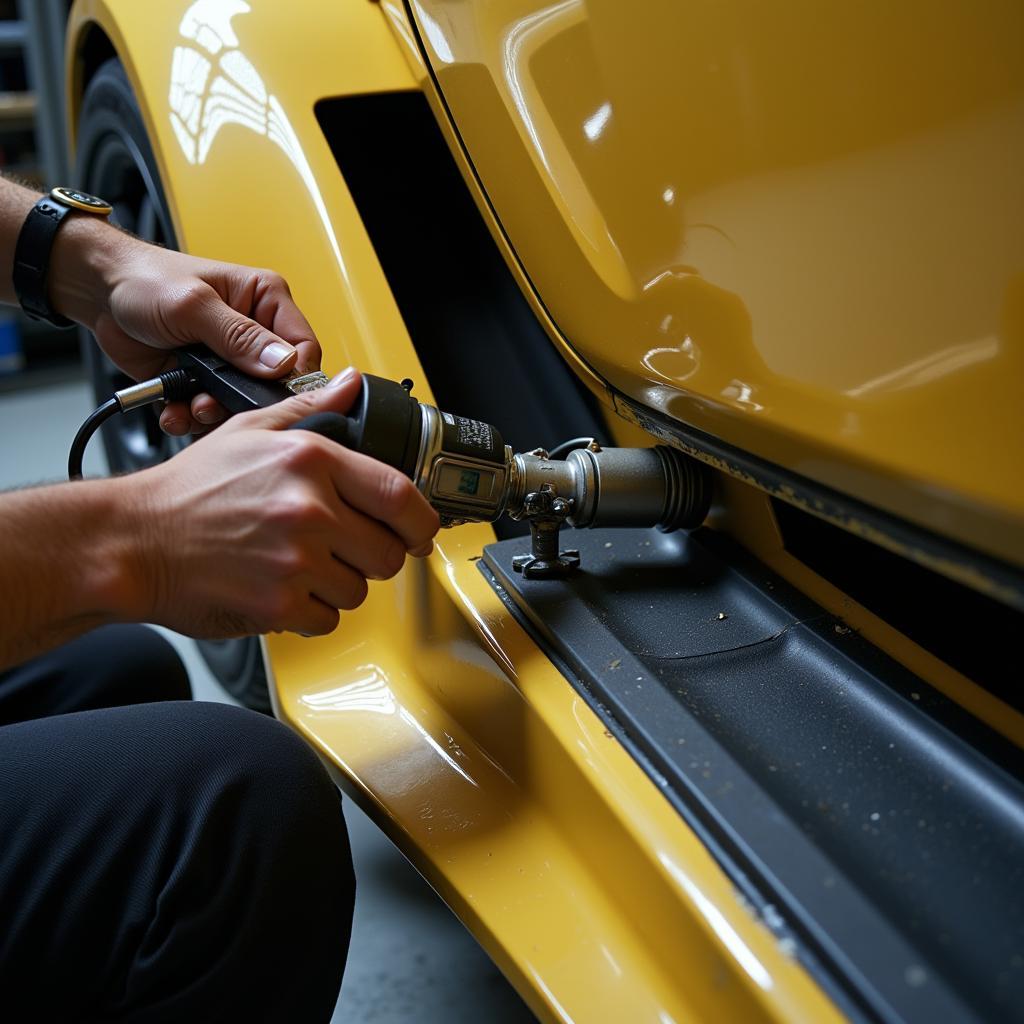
x=106 y=668
x=169 y=862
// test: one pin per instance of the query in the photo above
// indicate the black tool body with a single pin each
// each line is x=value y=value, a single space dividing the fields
x=384 y=423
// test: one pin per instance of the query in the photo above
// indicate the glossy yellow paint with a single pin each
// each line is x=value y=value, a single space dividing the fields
x=264 y=188
x=511 y=797
x=452 y=729
x=797 y=227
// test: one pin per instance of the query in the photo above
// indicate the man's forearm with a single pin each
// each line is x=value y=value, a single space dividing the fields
x=85 y=255
x=15 y=203
x=70 y=560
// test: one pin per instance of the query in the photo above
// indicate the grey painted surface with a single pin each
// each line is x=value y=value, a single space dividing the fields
x=411 y=961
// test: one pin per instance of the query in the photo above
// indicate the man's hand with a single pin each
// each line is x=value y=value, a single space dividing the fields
x=142 y=302
x=252 y=529
x=244 y=314
x=256 y=528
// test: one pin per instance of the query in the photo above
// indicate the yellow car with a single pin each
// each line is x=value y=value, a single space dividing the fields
x=767 y=769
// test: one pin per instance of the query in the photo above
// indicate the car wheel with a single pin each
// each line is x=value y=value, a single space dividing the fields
x=115 y=161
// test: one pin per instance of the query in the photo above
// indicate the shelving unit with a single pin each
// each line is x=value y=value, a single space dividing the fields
x=33 y=147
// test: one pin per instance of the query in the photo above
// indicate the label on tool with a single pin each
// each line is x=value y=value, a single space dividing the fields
x=472 y=437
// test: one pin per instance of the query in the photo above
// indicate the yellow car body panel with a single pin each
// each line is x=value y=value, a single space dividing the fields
x=795 y=227
x=744 y=511
x=258 y=187
x=434 y=708
x=526 y=815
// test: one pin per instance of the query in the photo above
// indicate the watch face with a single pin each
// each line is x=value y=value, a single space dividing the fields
x=81 y=200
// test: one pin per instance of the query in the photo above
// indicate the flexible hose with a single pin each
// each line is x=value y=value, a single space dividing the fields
x=111 y=407
x=172 y=386
x=560 y=451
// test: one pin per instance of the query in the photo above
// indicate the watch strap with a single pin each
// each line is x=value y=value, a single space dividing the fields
x=32 y=260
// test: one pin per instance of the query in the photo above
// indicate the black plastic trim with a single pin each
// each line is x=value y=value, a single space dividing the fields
x=483 y=350
x=807 y=760
x=973 y=634
x=988 y=575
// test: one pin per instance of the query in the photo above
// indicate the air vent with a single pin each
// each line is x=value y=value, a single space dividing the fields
x=972 y=633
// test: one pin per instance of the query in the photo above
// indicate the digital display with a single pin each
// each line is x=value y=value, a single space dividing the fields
x=462 y=482
x=469 y=481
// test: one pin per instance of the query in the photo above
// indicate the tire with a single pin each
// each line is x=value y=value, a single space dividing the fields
x=115 y=161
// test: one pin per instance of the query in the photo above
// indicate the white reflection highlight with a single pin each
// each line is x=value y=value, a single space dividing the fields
x=728 y=935
x=516 y=66
x=394 y=11
x=597 y=122
x=436 y=747
x=669 y=195
x=214 y=84
x=612 y=962
x=931 y=367
x=741 y=394
x=491 y=640
x=684 y=360
x=209 y=23
x=371 y=693
x=541 y=984
x=656 y=279
x=435 y=36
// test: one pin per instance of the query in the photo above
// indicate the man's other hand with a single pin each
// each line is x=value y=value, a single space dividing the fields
x=142 y=302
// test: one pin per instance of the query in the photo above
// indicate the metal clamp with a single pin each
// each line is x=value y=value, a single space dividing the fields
x=546 y=513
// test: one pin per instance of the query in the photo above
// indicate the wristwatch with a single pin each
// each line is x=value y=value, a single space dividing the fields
x=32 y=252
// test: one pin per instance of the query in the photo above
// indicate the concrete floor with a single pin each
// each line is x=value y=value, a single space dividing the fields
x=411 y=960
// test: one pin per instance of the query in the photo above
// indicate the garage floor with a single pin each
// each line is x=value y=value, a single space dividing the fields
x=411 y=960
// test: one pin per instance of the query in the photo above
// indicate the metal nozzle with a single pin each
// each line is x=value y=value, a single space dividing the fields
x=616 y=486
x=597 y=486
x=469 y=474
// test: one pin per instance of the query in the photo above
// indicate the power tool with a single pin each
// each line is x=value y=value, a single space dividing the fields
x=462 y=466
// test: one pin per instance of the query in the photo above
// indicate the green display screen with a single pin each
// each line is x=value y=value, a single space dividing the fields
x=469 y=481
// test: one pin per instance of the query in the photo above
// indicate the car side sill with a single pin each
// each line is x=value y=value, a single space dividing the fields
x=874 y=825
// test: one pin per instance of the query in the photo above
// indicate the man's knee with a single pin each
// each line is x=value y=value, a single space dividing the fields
x=266 y=789
x=266 y=821
x=109 y=667
x=214 y=829
x=132 y=665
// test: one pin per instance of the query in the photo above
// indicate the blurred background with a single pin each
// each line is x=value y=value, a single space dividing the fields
x=33 y=147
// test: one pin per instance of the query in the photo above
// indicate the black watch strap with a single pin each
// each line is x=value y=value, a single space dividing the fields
x=35 y=243
x=32 y=260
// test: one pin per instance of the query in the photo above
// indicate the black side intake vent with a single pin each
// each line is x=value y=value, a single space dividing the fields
x=974 y=634
x=484 y=352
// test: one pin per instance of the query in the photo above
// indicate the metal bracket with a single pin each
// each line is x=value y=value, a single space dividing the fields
x=546 y=513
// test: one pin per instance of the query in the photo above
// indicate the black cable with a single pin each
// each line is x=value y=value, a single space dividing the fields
x=111 y=407
x=173 y=386
x=567 y=446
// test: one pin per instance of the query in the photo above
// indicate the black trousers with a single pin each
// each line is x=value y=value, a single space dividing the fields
x=161 y=861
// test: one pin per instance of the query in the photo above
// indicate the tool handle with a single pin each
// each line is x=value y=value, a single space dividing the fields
x=333 y=426
x=384 y=423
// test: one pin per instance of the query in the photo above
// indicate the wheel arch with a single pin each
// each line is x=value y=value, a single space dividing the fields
x=268 y=192
x=94 y=36
x=91 y=48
